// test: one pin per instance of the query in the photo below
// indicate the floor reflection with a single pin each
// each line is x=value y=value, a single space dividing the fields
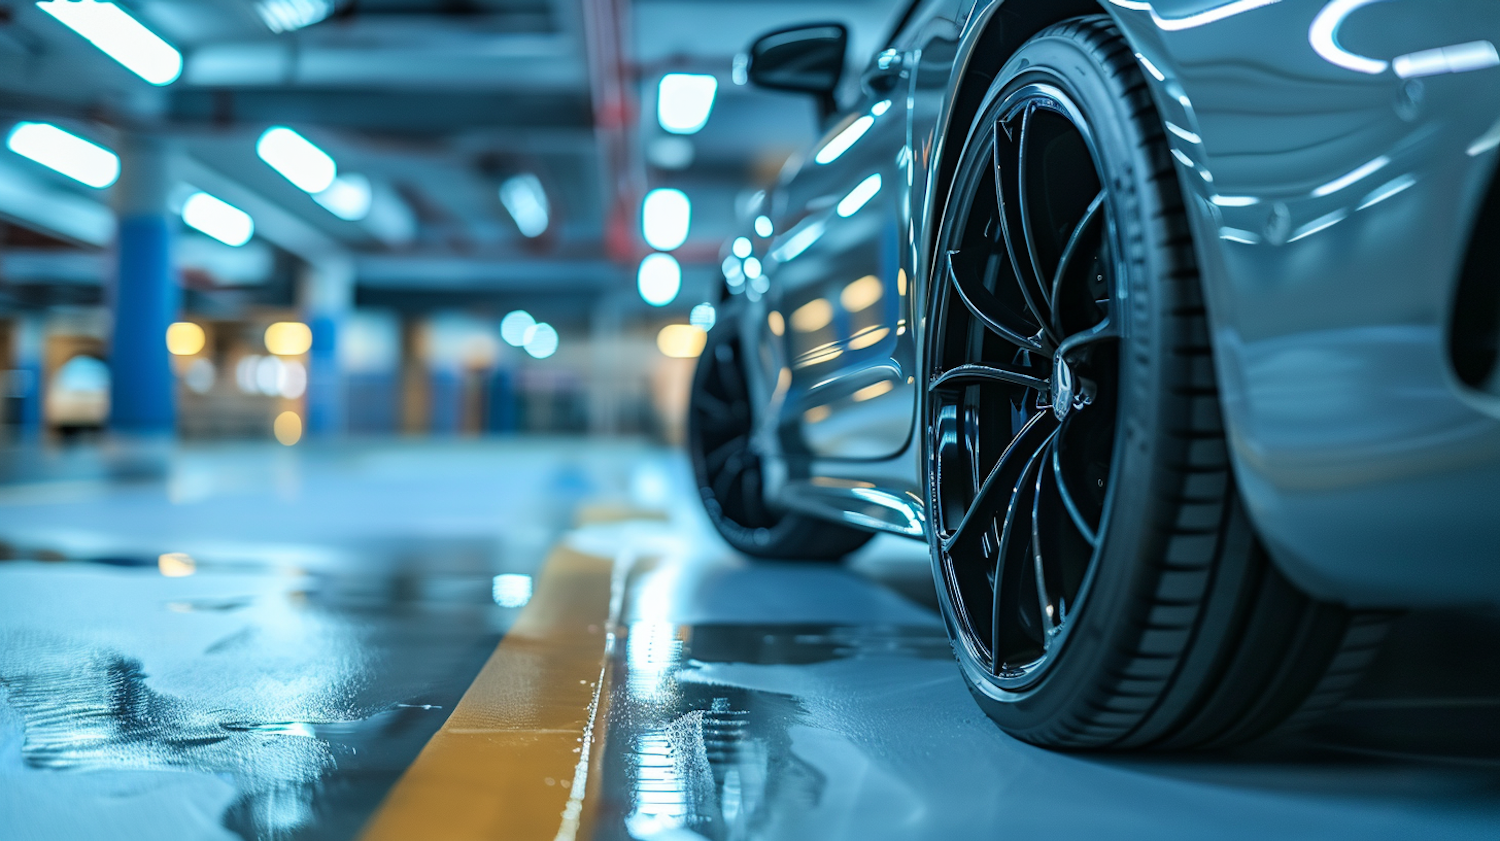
x=276 y=677
x=89 y=710
x=263 y=657
x=843 y=717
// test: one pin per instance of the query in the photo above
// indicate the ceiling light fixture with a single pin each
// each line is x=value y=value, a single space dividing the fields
x=684 y=101
x=290 y=15
x=64 y=152
x=666 y=216
x=659 y=279
x=349 y=197
x=297 y=159
x=862 y=193
x=541 y=341
x=844 y=139
x=526 y=202
x=218 y=218
x=119 y=36
x=513 y=327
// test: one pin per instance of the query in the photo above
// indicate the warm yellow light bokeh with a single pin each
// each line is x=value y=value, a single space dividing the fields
x=288 y=338
x=776 y=323
x=865 y=338
x=862 y=293
x=872 y=391
x=288 y=428
x=813 y=315
x=185 y=338
x=176 y=565
x=681 y=341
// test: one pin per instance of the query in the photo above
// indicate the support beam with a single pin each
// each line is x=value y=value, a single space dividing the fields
x=327 y=298
x=145 y=298
x=28 y=336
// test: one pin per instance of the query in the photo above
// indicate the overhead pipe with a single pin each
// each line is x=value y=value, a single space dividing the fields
x=606 y=33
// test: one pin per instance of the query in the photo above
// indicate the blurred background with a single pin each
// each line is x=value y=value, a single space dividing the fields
x=303 y=219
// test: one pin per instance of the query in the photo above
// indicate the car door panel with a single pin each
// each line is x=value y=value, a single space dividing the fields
x=842 y=270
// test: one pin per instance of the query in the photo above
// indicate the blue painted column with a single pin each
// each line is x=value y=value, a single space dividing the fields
x=145 y=297
x=30 y=338
x=327 y=296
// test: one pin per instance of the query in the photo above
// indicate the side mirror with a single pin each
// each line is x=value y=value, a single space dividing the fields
x=805 y=59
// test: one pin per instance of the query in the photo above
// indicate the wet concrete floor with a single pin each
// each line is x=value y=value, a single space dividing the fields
x=237 y=641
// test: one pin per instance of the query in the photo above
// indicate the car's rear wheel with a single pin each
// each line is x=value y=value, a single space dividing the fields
x=731 y=472
x=1095 y=569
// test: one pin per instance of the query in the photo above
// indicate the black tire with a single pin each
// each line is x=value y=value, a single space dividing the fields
x=729 y=470
x=1149 y=618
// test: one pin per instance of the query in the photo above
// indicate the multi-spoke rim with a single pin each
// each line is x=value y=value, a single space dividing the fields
x=1022 y=368
x=730 y=472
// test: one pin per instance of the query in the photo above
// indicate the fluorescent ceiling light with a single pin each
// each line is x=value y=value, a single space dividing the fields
x=349 y=197
x=659 y=279
x=1391 y=188
x=514 y=327
x=844 y=139
x=670 y=152
x=219 y=219
x=1207 y=16
x=858 y=196
x=1457 y=58
x=297 y=159
x=799 y=240
x=703 y=316
x=66 y=153
x=1345 y=180
x=511 y=589
x=290 y=15
x=526 y=202
x=1323 y=35
x=119 y=36
x=684 y=101
x=1151 y=68
x=666 y=216
x=541 y=341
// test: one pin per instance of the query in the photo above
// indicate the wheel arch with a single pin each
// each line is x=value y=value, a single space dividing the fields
x=993 y=32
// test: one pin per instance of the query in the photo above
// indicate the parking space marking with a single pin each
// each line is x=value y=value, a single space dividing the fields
x=512 y=760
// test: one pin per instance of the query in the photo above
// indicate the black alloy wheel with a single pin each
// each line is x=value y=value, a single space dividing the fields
x=1094 y=566
x=730 y=470
x=1038 y=353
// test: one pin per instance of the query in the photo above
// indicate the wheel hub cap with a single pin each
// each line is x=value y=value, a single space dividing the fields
x=1063 y=387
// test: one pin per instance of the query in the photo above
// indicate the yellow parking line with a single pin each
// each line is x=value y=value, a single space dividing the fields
x=512 y=760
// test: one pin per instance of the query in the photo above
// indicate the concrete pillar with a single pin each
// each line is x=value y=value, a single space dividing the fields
x=145 y=297
x=327 y=297
x=606 y=330
x=30 y=339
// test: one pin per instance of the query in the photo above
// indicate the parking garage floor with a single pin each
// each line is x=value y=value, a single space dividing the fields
x=542 y=639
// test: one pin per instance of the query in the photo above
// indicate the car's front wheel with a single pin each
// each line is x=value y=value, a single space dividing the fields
x=1098 y=575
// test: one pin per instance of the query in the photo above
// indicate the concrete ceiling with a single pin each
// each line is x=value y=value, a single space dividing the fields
x=436 y=101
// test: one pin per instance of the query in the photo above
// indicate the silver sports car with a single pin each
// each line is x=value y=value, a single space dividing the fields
x=1171 y=326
